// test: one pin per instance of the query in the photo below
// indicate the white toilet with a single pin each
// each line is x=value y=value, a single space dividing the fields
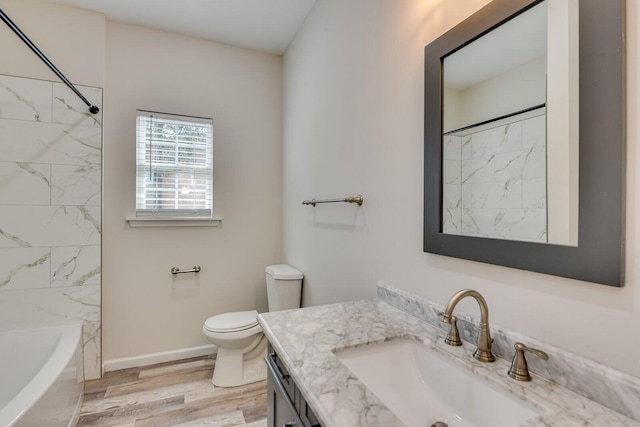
x=238 y=336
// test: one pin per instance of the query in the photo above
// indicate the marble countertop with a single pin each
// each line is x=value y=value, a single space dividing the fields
x=306 y=339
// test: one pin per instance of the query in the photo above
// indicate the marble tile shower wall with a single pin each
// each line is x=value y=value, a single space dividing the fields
x=50 y=210
x=494 y=182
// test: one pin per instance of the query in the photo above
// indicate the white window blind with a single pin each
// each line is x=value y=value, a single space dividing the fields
x=174 y=166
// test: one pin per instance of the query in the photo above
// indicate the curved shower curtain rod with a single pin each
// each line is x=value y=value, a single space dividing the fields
x=92 y=108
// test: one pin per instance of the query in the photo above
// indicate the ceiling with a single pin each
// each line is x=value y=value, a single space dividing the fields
x=263 y=25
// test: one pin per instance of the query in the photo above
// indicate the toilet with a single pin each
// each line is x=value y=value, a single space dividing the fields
x=238 y=336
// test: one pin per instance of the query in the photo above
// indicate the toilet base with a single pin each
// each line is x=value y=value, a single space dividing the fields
x=241 y=366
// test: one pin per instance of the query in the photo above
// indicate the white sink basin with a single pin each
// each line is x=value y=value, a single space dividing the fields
x=422 y=387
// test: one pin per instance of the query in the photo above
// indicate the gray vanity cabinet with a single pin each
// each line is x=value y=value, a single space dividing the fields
x=285 y=405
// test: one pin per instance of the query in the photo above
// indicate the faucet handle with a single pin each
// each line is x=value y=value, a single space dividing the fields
x=453 y=337
x=519 y=369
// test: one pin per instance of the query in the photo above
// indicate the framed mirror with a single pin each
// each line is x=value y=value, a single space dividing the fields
x=525 y=138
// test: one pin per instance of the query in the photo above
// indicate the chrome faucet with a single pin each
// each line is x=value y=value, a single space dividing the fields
x=483 y=352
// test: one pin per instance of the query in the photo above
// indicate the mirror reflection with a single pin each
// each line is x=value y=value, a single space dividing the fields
x=510 y=119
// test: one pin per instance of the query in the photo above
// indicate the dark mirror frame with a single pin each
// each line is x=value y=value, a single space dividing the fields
x=599 y=256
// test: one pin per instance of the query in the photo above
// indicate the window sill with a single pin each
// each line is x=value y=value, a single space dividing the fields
x=173 y=222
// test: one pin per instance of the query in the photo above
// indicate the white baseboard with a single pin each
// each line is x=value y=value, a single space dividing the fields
x=153 y=358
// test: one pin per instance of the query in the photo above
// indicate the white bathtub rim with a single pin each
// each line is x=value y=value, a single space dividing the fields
x=45 y=377
x=76 y=411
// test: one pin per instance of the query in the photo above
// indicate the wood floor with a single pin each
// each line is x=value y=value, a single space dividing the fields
x=172 y=394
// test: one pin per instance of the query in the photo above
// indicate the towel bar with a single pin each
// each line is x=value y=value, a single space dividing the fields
x=195 y=269
x=357 y=199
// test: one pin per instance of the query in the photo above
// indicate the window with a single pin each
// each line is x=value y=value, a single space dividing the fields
x=174 y=166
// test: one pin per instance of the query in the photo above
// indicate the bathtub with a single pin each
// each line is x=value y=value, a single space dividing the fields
x=41 y=377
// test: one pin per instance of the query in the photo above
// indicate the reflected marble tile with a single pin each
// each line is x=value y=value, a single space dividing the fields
x=480 y=142
x=50 y=143
x=535 y=165
x=76 y=185
x=27 y=226
x=466 y=195
x=534 y=193
x=502 y=139
x=451 y=221
x=522 y=224
x=510 y=141
x=24 y=268
x=452 y=147
x=25 y=99
x=91 y=340
x=493 y=167
x=75 y=266
x=478 y=222
x=466 y=151
x=510 y=165
x=451 y=171
x=452 y=196
x=23 y=309
x=69 y=109
x=478 y=170
x=497 y=195
x=534 y=132
x=25 y=183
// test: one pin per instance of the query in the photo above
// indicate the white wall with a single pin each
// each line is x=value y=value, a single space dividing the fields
x=498 y=96
x=353 y=105
x=147 y=309
x=505 y=93
x=73 y=39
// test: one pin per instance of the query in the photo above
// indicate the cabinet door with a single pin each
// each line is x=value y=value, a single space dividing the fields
x=307 y=415
x=281 y=374
x=280 y=409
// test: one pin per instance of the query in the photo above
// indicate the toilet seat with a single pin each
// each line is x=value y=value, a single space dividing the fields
x=236 y=321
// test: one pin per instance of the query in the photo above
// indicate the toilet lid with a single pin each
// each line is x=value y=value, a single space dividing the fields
x=232 y=322
x=283 y=272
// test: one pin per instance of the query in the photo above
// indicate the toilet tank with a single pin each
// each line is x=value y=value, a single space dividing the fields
x=284 y=287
